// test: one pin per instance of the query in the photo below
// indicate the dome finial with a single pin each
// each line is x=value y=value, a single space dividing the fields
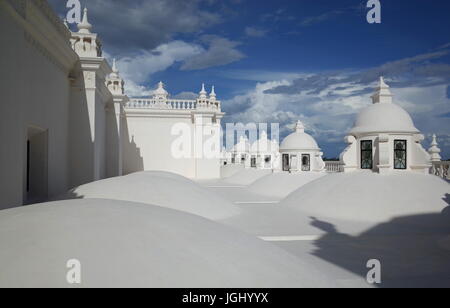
x=435 y=150
x=203 y=92
x=383 y=93
x=212 y=95
x=114 y=68
x=299 y=127
x=84 y=26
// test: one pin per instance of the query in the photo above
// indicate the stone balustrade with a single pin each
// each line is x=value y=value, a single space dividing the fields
x=173 y=104
x=441 y=169
x=334 y=166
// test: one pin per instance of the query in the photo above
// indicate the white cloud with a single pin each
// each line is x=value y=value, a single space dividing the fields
x=255 y=32
x=138 y=68
x=221 y=51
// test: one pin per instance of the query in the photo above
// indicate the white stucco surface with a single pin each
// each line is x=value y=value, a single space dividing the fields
x=124 y=244
x=370 y=197
x=159 y=188
x=280 y=185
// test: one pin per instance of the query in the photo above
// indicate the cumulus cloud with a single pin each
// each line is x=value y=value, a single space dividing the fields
x=221 y=51
x=139 y=67
x=145 y=24
x=255 y=32
x=328 y=102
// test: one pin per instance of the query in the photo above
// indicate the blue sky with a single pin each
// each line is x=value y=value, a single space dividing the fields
x=279 y=61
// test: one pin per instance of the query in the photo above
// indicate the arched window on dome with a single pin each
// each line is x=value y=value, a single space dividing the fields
x=366 y=154
x=400 y=154
x=306 y=162
x=286 y=164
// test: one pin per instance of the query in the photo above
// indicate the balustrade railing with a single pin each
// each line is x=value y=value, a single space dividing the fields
x=173 y=104
x=334 y=166
x=441 y=169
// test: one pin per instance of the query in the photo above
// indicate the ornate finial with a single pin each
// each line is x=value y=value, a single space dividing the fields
x=114 y=68
x=435 y=150
x=383 y=93
x=84 y=26
x=212 y=95
x=203 y=92
x=160 y=93
x=299 y=127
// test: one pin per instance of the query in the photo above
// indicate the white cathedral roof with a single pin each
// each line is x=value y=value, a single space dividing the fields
x=383 y=116
x=299 y=140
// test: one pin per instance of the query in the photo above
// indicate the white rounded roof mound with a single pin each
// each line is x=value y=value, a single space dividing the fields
x=159 y=188
x=370 y=197
x=383 y=118
x=125 y=244
x=299 y=140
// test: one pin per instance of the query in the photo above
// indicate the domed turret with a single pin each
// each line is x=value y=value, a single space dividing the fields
x=160 y=93
x=299 y=140
x=300 y=152
x=384 y=138
x=383 y=116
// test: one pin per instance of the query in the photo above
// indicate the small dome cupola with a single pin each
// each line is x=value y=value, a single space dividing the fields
x=299 y=140
x=160 y=93
x=383 y=116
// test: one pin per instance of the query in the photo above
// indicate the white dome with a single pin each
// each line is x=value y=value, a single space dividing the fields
x=383 y=118
x=158 y=188
x=125 y=244
x=160 y=91
x=299 y=140
x=346 y=196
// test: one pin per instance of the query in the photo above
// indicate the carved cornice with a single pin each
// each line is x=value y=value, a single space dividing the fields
x=42 y=30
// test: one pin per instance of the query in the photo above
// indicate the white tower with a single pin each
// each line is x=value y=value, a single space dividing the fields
x=114 y=82
x=84 y=42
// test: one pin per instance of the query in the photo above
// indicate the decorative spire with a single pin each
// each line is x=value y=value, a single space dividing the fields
x=66 y=23
x=160 y=93
x=383 y=93
x=434 y=150
x=84 y=26
x=212 y=95
x=114 y=68
x=299 y=127
x=203 y=93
